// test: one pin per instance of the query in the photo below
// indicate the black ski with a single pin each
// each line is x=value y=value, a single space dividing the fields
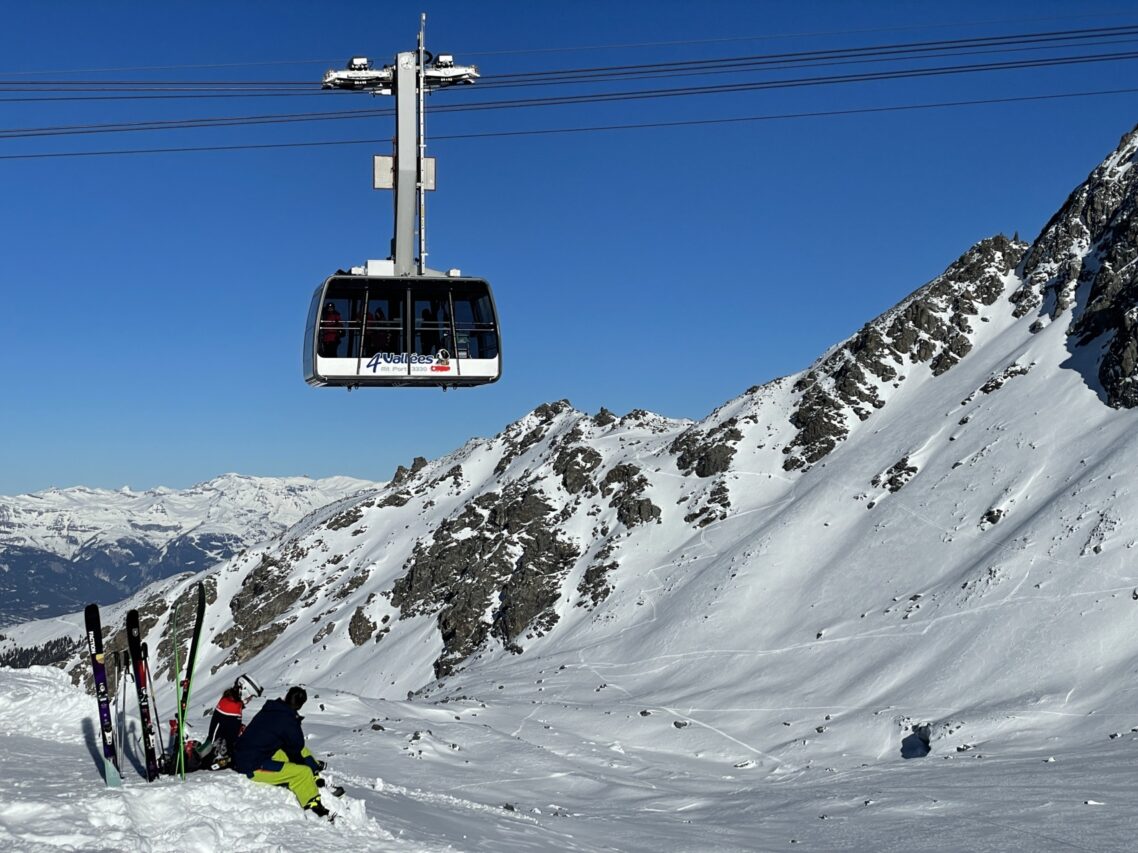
x=99 y=672
x=188 y=681
x=142 y=687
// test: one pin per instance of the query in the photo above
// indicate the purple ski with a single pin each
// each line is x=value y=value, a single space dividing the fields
x=102 y=693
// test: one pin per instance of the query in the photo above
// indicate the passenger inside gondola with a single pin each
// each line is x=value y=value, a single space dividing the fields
x=432 y=328
x=331 y=331
x=384 y=333
x=428 y=333
x=355 y=328
x=376 y=336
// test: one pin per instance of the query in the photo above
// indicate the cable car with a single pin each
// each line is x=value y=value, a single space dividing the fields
x=395 y=322
x=433 y=329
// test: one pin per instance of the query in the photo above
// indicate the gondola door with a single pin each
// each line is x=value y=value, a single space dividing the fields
x=339 y=331
x=385 y=338
x=475 y=346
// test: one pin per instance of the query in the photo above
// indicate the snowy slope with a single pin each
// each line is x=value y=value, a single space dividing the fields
x=650 y=634
x=64 y=547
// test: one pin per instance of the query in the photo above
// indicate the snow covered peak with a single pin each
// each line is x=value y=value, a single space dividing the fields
x=1084 y=261
x=922 y=337
x=60 y=548
x=63 y=521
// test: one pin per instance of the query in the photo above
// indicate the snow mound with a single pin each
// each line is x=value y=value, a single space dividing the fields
x=54 y=799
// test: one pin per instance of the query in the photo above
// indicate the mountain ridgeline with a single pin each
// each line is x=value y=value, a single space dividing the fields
x=956 y=474
x=63 y=548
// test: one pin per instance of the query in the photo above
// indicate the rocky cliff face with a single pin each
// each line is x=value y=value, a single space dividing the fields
x=933 y=329
x=502 y=532
x=1085 y=260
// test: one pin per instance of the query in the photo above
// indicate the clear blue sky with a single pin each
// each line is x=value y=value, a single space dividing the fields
x=154 y=302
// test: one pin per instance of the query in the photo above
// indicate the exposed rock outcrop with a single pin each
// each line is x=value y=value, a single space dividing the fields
x=503 y=555
x=934 y=326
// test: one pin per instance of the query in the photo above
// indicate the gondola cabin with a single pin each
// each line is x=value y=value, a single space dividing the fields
x=386 y=330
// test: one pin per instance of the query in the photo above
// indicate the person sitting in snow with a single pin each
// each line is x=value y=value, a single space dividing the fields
x=226 y=726
x=216 y=751
x=271 y=750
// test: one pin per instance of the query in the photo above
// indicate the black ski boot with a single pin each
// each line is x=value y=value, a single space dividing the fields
x=317 y=808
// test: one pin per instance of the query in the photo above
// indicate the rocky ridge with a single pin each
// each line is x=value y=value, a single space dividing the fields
x=1085 y=259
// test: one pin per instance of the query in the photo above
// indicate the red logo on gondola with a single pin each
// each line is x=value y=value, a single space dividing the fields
x=442 y=362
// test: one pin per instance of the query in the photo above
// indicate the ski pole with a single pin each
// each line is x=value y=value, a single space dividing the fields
x=180 y=760
x=153 y=700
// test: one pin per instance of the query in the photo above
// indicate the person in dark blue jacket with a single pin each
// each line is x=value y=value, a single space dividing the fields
x=271 y=750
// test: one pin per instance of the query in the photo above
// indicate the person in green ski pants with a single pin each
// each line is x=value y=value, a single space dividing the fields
x=271 y=750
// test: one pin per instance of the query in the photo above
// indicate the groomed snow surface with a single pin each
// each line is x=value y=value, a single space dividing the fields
x=478 y=776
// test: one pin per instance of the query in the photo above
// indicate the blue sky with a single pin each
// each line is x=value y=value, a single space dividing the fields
x=154 y=302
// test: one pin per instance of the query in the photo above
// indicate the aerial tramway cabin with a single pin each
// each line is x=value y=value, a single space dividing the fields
x=369 y=327
x=396 y=322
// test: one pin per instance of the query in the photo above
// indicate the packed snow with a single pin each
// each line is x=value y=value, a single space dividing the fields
x=561 y=774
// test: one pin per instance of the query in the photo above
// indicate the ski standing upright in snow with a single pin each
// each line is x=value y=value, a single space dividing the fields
x=102 y=693
x=142 y=686
x=187 y=681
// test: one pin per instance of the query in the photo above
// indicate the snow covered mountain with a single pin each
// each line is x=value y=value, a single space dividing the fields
x=62 y=548
x=658 y=634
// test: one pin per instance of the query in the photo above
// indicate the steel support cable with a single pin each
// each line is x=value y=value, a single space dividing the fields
x=566 y=77
x=188 y=96
x=584 y=48
x=603 y=97
x=1019 y=21
x=111 y=85
x=782 y=84
x=904 y=50
x=783 y=116
x=595 y=128
x=182 y=124
x=833 y=53
x=492 y=83
x=736 y=65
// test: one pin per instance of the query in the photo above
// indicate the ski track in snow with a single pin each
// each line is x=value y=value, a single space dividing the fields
x=612 y=673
